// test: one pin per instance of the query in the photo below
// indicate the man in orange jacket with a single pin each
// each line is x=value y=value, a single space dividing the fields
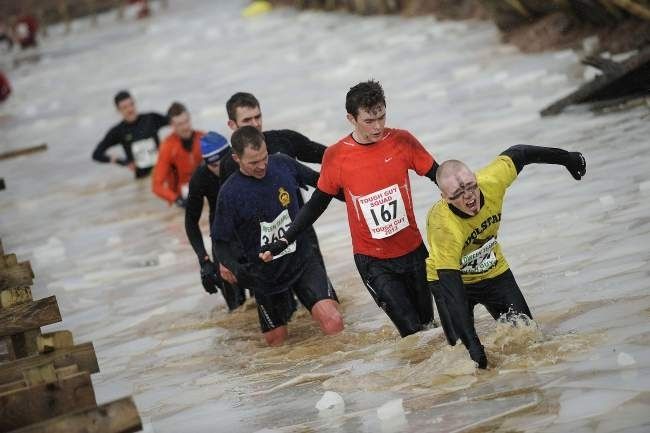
x=180 y=154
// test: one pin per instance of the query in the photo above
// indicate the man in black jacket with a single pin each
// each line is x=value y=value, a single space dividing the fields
x=243 y=110
x=138 y=135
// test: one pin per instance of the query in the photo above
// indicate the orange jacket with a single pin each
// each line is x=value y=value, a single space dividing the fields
x=175 y=166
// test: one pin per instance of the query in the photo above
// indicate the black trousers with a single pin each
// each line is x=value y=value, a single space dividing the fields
x=399 y=287
x=500 y=295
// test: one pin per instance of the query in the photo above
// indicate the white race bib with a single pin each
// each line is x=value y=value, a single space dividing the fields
x=480 y=260
x=144 y=153
x=273 y=231
x=384 y=212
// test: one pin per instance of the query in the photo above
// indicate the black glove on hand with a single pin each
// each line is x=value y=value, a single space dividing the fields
x=209 y=277
x=181 y=202
x=275 y=247
x=577 y=165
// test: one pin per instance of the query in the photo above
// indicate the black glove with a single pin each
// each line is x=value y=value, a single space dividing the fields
x=209 y=277
x=275 y=247
x=181 y=202
x=577 y=165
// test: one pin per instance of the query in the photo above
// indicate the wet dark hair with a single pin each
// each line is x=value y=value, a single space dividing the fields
x=366 y=95
x=246 y=136
x=121 y=96
x=240 y=99
x=175 y=109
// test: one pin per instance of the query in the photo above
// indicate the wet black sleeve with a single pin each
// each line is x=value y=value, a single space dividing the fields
x=306 y=175
x=431 y=174
x=308 y=214
x=453 y=309
x=523 y=154
x=160 y=120
x=111 y=139
x=226 y=254
x=304 y=149
x=193 y=212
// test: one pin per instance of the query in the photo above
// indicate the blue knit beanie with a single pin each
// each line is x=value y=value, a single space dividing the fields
x=214 y=146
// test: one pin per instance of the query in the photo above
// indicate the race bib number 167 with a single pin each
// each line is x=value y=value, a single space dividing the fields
x=384 y=212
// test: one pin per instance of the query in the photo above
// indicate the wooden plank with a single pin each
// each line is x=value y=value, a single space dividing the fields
x=19 y=275
x=119 y=416
x=82 y=355
x=8 y=261
x=6 y=387
x=23 y=151
x=22 y=407
x=25 y=317
x=48 y=373
x=15 y=296
x=54 y=340
x=25 y=343
x=6 y=349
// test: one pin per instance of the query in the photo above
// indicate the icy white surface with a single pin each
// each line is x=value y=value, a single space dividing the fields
x=126 y=279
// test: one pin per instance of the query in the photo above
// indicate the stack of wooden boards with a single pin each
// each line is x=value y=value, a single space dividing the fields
x=45 y=381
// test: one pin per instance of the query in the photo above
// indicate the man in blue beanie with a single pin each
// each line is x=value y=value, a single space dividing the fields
x=206 y=182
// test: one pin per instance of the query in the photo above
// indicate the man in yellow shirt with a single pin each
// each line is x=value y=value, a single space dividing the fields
x=465 y=266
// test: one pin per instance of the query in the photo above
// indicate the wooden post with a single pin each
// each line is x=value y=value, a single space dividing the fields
x=83 y=355
x=119 y=416
x=15 y=296
x=25 y=343
x=8 y=261
x=42 y=401
x=23 y=151
x=54 y=340
x=16 y=276
x=32 y=315
x=6 y=349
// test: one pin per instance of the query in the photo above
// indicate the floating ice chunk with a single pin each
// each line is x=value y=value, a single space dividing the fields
x=590 y=44
x=391 y=409
x=590 y=73
x=113 y=240
x=644 y=186
x=331 y=401
x=607 y=200
x=625 y=359
x=167 y=258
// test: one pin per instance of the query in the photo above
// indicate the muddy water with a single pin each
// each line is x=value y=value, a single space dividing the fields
x=118 y=260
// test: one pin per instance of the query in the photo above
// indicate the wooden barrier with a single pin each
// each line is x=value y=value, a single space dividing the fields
x=44 y=400
x=119 y=416
x=23 y=151
x=18 y=275
x=28 y=316
x=45 y=381
x=82 y=355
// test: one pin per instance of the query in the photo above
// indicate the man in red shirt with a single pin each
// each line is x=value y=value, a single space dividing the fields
x=371 y=166
x=180 y=155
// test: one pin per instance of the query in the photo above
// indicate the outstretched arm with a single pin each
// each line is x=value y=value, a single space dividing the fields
x=307 y=216
x=523 y=154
